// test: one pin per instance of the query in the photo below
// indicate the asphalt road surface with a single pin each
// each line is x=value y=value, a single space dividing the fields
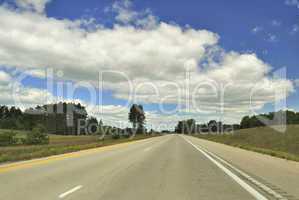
x=171 y=167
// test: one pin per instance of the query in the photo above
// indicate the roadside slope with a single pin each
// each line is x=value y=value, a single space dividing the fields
x=262 y=140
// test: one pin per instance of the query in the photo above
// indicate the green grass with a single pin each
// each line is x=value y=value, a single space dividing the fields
x=263 y=140
x=20 y=134
x=58 y=145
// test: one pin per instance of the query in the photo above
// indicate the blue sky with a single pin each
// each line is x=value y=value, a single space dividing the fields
x=267 y=29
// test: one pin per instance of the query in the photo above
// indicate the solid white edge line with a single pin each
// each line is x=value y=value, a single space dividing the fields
x=242 y=183
x=259 y=184
x=70 y=191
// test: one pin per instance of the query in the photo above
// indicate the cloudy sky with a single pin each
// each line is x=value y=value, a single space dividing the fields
x=196 y=59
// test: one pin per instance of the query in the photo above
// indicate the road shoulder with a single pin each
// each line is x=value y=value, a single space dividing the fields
x=279 y=174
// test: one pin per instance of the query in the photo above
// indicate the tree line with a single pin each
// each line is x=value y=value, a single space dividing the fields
x=67 y=119
x=59 y=118
x=11 y=118
x=190 y=127
x=270 y=119
x=63 y=119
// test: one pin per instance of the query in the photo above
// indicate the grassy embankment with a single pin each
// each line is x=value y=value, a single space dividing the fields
x=58 y=145
x=263 y=140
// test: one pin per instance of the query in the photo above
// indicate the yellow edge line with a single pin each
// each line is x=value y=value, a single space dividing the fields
x=40 y=161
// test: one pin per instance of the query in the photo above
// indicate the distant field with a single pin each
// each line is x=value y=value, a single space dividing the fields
x=59 y=139
x=59 y=144
x=264 y=140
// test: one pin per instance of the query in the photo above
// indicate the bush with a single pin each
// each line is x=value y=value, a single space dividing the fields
x=126 y=135
x=115 y=135
x=7 y=138
x=37 y=136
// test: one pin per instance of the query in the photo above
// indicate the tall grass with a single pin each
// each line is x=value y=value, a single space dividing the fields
x=264 y=140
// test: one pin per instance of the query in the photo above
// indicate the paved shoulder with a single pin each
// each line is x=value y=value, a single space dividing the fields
x=278 y=174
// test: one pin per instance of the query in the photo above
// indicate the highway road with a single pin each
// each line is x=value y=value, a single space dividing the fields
x=170 y=167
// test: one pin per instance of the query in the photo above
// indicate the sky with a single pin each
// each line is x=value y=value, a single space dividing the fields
x=180 y=59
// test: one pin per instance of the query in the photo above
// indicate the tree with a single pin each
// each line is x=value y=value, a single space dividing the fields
x=245 y=123
x=137 y=117
x=191 y=126
x=92 y=124
x=186 y=126
x=213 y=126
x=180 y=127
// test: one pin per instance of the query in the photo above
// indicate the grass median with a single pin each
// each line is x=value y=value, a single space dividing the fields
x=262 y=140
x=60 y=145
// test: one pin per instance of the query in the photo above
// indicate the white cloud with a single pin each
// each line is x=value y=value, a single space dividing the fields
x=272 y=37
x=275 y=23
x=295 y=29
x=32 y=41
x=292 y=3
x=126 y=15
x=148 y=52
x=124 y=12
x=14 y=93
x=33 y=5
x=256 y=29
x=39 y=73
x=296 y=82
x=113 y=115
x=4 y=77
